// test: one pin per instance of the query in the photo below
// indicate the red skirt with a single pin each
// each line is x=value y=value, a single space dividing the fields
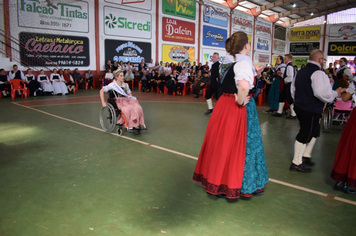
x=344 y=169
x=220 y=166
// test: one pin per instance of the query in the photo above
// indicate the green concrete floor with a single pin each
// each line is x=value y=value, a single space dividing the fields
x=61 y=178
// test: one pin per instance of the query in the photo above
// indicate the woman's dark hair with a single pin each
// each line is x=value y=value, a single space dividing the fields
x=237 y=42
x=280 y=57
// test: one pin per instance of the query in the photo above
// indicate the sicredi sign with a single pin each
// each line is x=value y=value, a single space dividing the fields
x=57 y=16
x=120 y=22
x=178 y=31
x=208 y=55
x=215 y=15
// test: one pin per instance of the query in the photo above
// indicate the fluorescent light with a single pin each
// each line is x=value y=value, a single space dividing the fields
x=312 y=14
x=294 y=5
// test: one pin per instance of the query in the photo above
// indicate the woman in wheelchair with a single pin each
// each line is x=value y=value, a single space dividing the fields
x=344 y=169
x=120 y=93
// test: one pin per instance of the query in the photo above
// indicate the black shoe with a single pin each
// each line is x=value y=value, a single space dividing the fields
x=268 y=111
x=299 y=168
x=220 y=195
x=277 y=114
x=308 y=161
x=291 y=117
x=209 y=111
x=342 y=187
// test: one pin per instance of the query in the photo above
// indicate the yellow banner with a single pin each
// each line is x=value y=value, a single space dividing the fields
x=305 y=34
x=175 y=53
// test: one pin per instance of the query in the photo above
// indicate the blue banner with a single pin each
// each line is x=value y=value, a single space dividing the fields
x=210 y=15
x=214 y=36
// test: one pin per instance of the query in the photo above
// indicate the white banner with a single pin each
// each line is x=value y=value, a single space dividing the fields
x=56 y=16
x=343 y=32
x=263 y=44
x=242 y=22
x=262 y=59
x=120 y=22
x=279 y=47
x=263 y=28
x=208 y=56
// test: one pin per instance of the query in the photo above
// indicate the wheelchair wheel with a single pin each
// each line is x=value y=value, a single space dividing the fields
x=328 y=119
x=108 y=118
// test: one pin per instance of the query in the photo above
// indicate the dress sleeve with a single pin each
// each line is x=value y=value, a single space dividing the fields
x=351 y=88
x=127 y=89
x=243 y=71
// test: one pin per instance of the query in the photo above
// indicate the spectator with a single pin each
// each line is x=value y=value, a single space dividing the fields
x=108 y=65
x=16 y=74
x=199 y=67
x=206 y=66
x=153 y=80
x=167 y=68
x=108 y=77
x=179 y=68
x=200 y=83
x=45 y=83
x=89 y=77
x=151 y=66
x=4 y=83
x=121 y=66
x=59 y=87
x=128 y=66
x=78 y=78
x=170 y=80
x=129 y=76
x=182 y=80
x=161 y=82
x=145 y=81
x=32 y=83
x=68 y=80
x=115 y=66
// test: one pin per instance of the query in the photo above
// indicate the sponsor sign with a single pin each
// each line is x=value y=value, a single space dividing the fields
x=279 y=47
x=175 y=53
x=263 y=44
x=215 y=15
x=242 y=22
x=178 y=31
x=72 y=16
x=342 y=48
x=280 y=32
x=121 y=22
x=141 y=4
x=263 y=28
x=345 y=32
x=127 y=51
x=303 y=48
x=305 y=33
x=274 y=59
x=262 y=59
x=208 y=55
x=182 y=8
x=53 y=50
x=214 y=36
x=299 y=61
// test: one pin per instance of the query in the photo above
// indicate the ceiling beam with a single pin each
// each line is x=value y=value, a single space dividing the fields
x=341 y=8
x=299 y=9
x=273 y=4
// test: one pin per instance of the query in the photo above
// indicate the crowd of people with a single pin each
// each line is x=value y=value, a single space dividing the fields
x=59 y=82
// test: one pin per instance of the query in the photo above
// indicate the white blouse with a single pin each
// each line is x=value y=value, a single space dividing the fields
x=243 y=71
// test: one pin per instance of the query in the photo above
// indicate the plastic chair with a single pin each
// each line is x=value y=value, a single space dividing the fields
x=18 y=85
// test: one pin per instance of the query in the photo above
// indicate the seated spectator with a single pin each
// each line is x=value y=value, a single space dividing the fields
x=5 y=86
x=206 y=66
x=191 y=77
x=121 y=66
x=200 y=83
x=68 y=80
x=115 y=66
x=90 y=79
x=32 y=83
x=108 y=65
x=145 y=81
x=161 y=81
x=59 y=87
x=261 y=82
x=167 y=68
x=45 y=83
x=16 y=74
x=108 y=78
x=151 y=66
x=153 y=80
x=128 y=67
x=179 y=68
x=199 y=67
x=78 y=79
x=142 y=67
x=182 y=79
x=129 y=76
x=171 y=79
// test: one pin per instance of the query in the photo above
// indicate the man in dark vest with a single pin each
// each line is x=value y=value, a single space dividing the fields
x=214 y=83
x=16 y=74
x=343 y=72
x=4 y=83
x=286 y=94
x=310 y=90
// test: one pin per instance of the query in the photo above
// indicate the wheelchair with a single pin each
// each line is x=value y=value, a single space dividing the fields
x=110 y=114
x=337 y=112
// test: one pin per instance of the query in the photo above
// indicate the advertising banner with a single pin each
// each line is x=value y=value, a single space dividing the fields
x=242 y=22
x=344 y=32
x=342 y=48
x=53 y=50
x=299 y=61
x=214 y=36
x=175 y=53
x=127 y=51
x=215 y=15
x=263 y=28
x=178 y=31
x=262 y=59
x=263 y=44
x=305 y=33
x=138 y=4
x=208 y=55
x=182 y=8
x=72 y=16
x=280 y=32
x=121 y=22
x=279 y=47
x=303 y=49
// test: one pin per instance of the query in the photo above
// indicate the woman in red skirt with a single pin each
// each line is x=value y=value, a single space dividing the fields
x=221 y=164
x=344 y=169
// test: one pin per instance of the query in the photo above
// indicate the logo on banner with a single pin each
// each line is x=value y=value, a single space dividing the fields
x=130 y=53
x=342 y=48
x=347 y=30
x=214 y=36
x=216 y=17
x=178 y=31
x=305 y=34
x=182 y=8
x=262 y=44
x=172 y=53
x=123 y=23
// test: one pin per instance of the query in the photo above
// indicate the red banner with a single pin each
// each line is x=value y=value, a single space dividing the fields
x=178 y=31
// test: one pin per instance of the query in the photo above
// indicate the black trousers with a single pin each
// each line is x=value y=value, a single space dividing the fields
x=309 y=125
x=3 y=86
x=213 y=89
x=286 y=94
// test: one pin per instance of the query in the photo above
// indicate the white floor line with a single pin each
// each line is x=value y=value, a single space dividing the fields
x=192 y=157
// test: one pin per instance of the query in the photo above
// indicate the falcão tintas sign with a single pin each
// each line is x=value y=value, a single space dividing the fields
x=57 y=16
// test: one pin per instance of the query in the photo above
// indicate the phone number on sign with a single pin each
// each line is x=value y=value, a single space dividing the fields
x=76 y=63
x=55 y=23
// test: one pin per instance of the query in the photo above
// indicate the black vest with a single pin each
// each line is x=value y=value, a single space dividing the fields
x=285 y=71
x=29 y=78
x=17 y=75
x=304 y=97
x=339 y=74
x=229 y=85
x=3 y=78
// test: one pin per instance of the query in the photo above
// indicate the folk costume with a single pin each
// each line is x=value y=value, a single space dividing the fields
x=231 y=161
x=45 y=83
x=33 y=84
x=214 y=87
x=59 y=86
x=276 y=87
